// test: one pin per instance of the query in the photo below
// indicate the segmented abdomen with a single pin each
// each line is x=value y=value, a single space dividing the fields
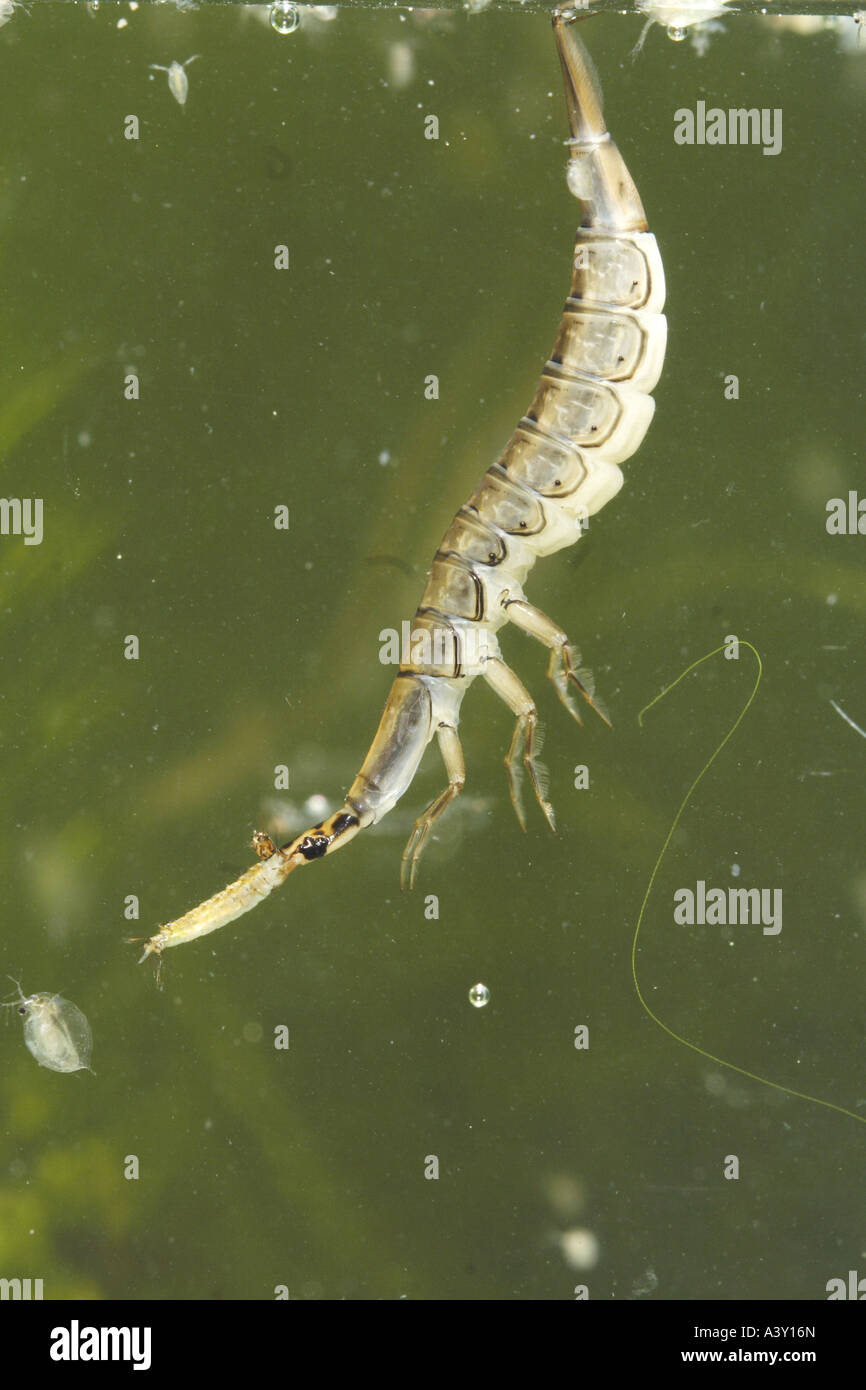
x=591 y=408
x=590 y=412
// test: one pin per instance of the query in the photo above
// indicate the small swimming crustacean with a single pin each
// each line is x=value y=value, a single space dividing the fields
x=55 y=1031
x=697 y=19
x=178 y=82
x=590 y=412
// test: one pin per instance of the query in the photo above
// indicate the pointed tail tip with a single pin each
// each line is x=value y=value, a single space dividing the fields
x=582 y=87
x=563 y=15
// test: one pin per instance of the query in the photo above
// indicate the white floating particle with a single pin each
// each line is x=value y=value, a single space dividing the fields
x=579 y=1247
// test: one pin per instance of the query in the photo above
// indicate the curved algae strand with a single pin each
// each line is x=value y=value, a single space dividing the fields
x=694 y=1047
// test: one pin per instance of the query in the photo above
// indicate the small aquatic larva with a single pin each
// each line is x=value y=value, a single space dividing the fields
x=590 y=412
x=55 y=1031
x=178 y=82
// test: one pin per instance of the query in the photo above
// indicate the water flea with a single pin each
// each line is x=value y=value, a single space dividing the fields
x=56 y=1032
x=178 y=82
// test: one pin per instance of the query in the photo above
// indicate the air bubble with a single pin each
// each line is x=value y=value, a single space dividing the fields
x=285 y=17
x=479 y=995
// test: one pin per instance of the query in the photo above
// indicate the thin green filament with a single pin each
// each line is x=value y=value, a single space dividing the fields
x=702 y=1052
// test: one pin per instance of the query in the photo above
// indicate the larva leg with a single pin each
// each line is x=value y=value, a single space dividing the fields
x=565 y=664
x=452 y=756
x=526 y=743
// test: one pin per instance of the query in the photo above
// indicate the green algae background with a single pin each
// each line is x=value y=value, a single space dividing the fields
x=262 y=1168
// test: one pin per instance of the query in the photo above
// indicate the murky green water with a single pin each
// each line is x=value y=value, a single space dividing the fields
x=154 y=256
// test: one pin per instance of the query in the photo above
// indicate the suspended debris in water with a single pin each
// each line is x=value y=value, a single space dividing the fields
x=401 y=70
x=178 y=82
x=645 y=1284
x=848 y=720
x=848 y=32
x=55 y=1031
x=580 y=1248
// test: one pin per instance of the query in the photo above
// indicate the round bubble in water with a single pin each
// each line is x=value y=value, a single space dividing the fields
x=285 y=17
x=479 y=995
x=56 y=1032
x=676 y=32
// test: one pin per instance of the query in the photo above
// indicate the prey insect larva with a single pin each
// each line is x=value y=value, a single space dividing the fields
x=590 y=412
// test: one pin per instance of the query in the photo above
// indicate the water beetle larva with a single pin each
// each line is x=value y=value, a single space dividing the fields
x=590 y=412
